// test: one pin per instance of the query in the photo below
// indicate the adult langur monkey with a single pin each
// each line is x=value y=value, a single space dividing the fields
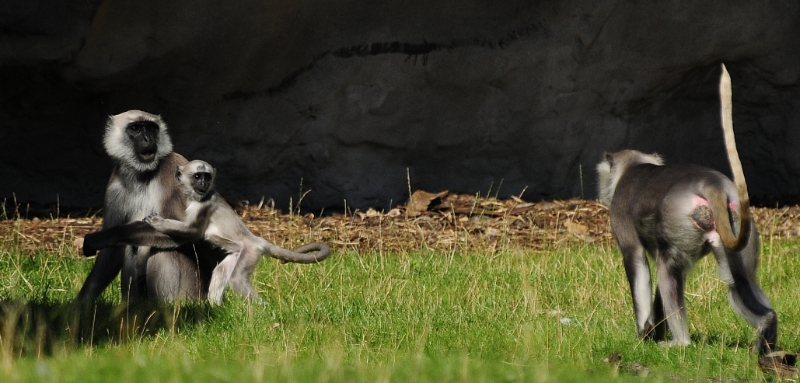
x=679 y=213
x=143 y=183
x=208 y=217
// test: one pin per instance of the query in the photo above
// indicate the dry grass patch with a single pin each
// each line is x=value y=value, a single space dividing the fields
x=431 y=221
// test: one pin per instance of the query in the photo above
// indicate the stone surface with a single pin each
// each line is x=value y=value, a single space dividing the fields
x=350 y=98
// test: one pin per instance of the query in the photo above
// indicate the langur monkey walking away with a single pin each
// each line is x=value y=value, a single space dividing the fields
x=208 y=217
x=677 y=214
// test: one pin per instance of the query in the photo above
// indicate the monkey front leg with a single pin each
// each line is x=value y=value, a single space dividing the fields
x=637 y=269
x=670 y=288
x=106 y=268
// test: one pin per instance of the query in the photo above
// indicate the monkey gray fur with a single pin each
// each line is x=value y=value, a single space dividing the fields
x=676 y=213
x=142 y=183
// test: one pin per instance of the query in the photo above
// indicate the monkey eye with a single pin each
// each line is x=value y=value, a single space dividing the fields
x=197 y=176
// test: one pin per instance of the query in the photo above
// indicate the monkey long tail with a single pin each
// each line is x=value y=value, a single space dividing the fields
x=310 y=253
x=723 y=222
x=725 y=95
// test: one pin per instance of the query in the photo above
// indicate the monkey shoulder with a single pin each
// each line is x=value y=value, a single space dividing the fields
x=173 y=201
x=167 y=169
x=174 y=159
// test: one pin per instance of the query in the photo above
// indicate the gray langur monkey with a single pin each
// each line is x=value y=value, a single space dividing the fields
x=143 y=183
x=208 y=217
x=677 y=214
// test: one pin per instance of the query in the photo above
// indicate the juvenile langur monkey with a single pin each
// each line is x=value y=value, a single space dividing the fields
x=208 y=217
x=142 y=183
x=677 y=214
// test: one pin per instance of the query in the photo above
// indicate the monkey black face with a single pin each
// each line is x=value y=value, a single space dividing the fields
x=144 y=137
x=197 y=178
x=201 y=182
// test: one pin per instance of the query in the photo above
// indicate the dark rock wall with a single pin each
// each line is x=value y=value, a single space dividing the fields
x=347 y=98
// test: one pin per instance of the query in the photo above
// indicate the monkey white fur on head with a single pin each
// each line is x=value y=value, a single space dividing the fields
x=613 y=165
x=137 y=139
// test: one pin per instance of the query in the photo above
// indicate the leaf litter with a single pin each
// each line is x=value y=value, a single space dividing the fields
x=434 y=221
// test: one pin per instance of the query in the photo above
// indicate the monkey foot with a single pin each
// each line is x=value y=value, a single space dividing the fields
x=780 y=363
x=673 y=343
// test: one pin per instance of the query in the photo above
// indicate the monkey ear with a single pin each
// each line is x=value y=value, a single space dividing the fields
x=178 y=172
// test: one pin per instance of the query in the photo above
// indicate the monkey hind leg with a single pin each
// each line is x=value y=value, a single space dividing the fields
x=745 y=295
x=751 y=303
x=171 y=276
x=133 y=278
x=241 y=285
x=767 y=339
x=240 y=280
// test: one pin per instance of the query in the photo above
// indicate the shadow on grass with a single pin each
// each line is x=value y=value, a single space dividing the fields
x=38 y=328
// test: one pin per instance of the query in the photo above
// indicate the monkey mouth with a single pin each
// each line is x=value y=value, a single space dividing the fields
x=147 y=155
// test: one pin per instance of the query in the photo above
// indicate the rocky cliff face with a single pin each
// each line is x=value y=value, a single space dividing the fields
x=351 y=98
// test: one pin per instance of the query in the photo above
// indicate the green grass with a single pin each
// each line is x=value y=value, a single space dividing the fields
x=412 y=316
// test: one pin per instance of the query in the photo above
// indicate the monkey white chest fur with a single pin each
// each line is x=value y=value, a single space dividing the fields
x=132 y=201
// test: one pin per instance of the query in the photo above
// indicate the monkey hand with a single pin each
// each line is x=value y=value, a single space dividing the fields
x=154 y=220
x=88 y=249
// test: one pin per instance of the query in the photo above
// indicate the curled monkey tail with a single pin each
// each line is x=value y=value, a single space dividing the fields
x=310 y=253
x=724 y=211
